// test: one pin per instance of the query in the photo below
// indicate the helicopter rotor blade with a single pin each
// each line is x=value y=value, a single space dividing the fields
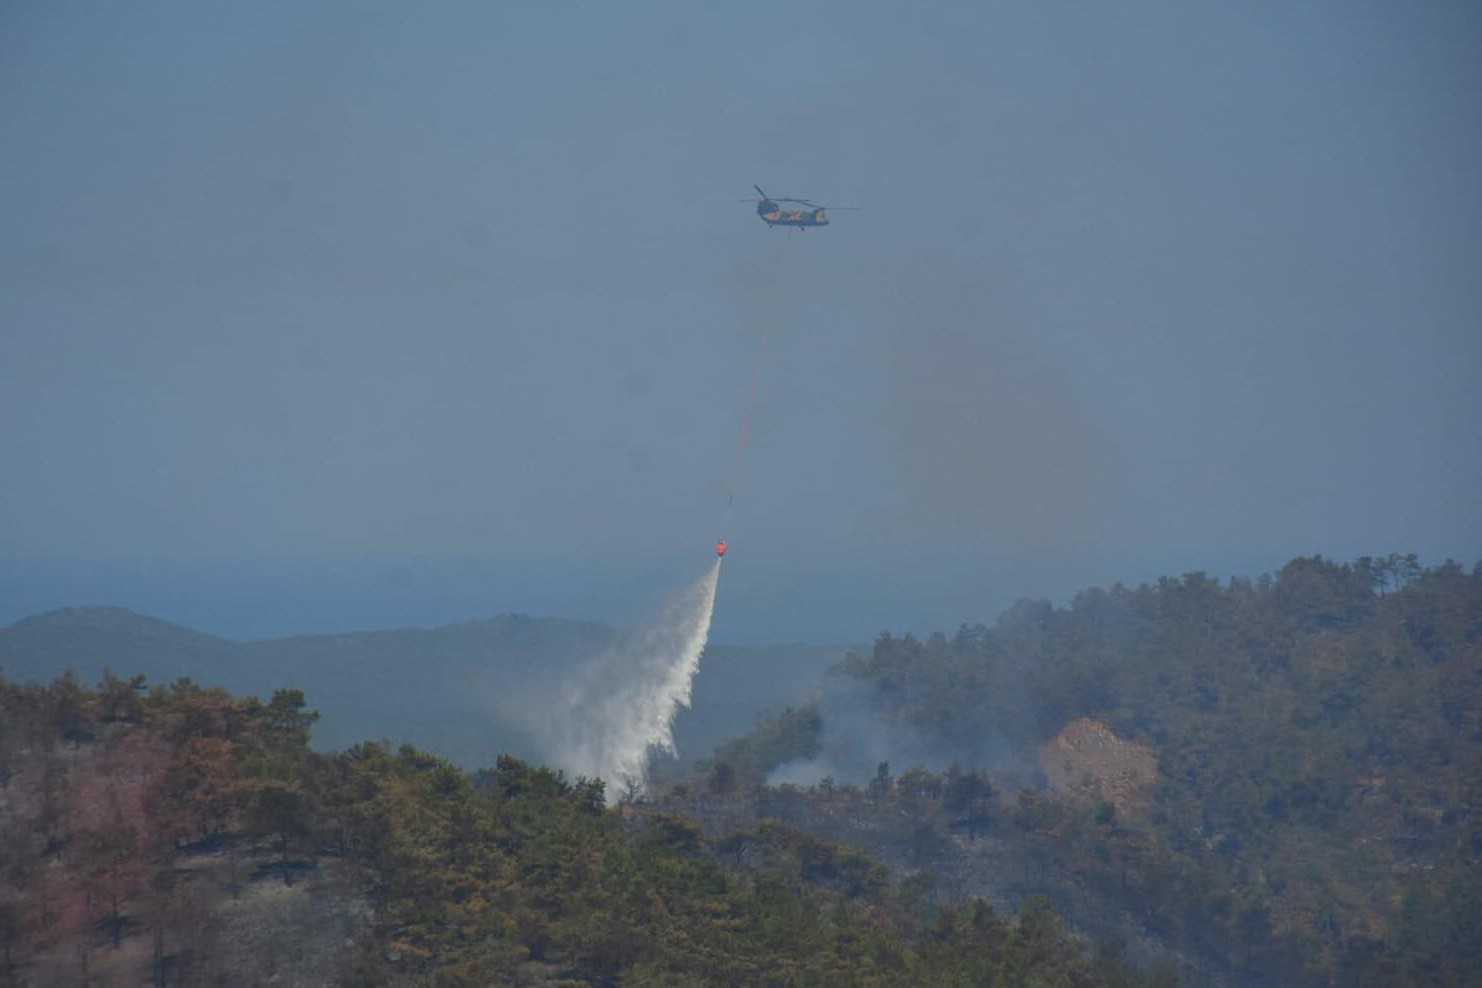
x=815 y=205
x=801 y=202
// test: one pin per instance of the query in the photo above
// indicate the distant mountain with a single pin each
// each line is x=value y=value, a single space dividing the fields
x=85 y=639
x=448 y=690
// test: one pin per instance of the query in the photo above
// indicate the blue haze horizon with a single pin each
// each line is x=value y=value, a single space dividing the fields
x=765 y=603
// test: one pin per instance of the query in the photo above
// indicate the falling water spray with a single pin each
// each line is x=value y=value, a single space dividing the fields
x=616 y=711
x=619 y=709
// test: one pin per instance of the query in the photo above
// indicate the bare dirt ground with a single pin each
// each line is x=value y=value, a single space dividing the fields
x=1089 y=759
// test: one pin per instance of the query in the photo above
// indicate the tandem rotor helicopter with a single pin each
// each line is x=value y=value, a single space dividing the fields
x=772 y=213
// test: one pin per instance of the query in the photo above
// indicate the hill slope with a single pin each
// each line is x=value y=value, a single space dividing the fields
x=453 y=690
x=1278 y=779
x=184 y=836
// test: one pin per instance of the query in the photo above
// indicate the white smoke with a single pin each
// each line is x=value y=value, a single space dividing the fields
x=616 y=710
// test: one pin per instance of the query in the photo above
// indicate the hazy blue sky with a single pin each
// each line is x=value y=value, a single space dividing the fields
x=314 y=314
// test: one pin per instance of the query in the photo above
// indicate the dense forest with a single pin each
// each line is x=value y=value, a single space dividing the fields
x=1247 y=783
x=178 y=835
x=1287 y=778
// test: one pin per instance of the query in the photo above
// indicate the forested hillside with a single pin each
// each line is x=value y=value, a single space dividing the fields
x=181 y=836
x=1252 y=783
x=1277 y=779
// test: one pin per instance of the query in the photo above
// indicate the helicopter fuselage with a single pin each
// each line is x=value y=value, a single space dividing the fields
x=774 y=215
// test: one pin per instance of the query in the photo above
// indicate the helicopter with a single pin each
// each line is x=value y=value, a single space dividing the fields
x=772 y=213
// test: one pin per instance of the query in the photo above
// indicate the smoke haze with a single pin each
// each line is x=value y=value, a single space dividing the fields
x=860 y=732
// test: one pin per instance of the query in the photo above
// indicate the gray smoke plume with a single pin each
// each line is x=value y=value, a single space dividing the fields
x=860 y=732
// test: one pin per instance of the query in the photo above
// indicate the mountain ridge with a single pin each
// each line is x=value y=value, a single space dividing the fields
x=440 y=688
